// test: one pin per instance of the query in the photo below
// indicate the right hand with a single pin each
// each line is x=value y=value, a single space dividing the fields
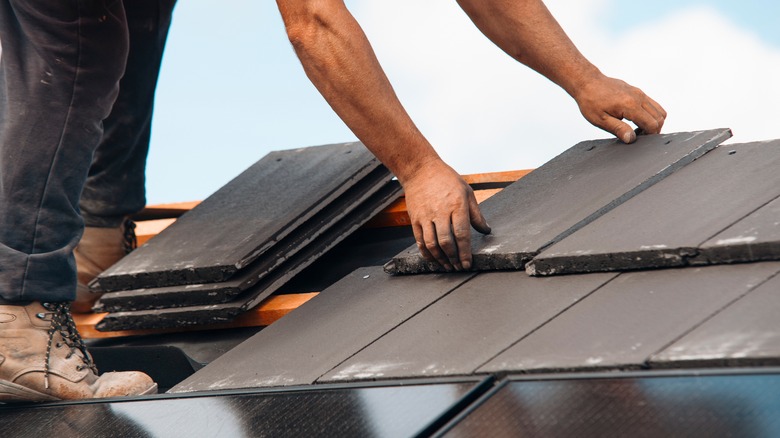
x=605 y=102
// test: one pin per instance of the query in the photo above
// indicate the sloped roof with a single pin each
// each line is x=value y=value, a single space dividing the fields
x=371 y=326
x=651 y=350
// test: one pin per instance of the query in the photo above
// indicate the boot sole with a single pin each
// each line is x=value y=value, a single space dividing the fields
x=11 y=392
x=152 y=390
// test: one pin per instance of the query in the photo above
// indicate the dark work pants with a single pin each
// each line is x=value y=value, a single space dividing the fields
x=60 y=71
x=115 y=187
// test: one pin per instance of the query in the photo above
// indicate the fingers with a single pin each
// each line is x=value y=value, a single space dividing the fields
x=648 y=117
x=607 y=102
x=618 y=128
x=477 y=220
x=657 y=110
x=644 y=120
x=432 y=244
x=448 y=242
x=442 y=208
x=461 y=230
x=419 y=238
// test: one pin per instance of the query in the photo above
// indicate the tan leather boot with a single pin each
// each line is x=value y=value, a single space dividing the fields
x=98 y=249
x=43 y=358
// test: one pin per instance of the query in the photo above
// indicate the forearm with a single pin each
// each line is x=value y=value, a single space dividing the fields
x=339 y=61
x=527 y=31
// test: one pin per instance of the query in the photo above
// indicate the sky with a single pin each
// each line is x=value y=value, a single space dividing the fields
x=231 y=88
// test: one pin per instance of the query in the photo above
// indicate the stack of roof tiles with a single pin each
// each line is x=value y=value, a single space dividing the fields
x=246 y=240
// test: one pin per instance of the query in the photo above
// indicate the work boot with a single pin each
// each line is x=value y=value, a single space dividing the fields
x=43 y=358
x=98 y=249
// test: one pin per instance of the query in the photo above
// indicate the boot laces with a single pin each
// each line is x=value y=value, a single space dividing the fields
x=62 y=323
x=130 y=240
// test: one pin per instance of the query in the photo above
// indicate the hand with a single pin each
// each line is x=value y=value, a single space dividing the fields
x=605 y=102
x=442 y=208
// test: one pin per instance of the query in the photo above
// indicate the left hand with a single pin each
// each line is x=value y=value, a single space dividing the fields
x=442 y=208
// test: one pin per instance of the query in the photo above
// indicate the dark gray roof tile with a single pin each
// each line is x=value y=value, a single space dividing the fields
x=664 y=225
x=631 y=318
x=570 y=191
x=324 y=332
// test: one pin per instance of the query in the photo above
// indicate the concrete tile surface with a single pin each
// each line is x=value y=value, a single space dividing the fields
x=754 y=238
x=631 y=318
x=166 y=297
x=468 y=327
x=243 y=219
x=746 y=333
x=664 y=225
x=200 y=308
x=324 y=332
x=568 y=192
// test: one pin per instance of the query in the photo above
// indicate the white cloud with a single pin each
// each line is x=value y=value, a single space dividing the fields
x=709 y=73
x=482 y=110
x=485 y=112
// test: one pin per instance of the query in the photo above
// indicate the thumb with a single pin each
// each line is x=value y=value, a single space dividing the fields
x=621 y=130
x=477 y=220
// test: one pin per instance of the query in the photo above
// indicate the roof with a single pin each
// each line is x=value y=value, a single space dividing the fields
x=653 y=329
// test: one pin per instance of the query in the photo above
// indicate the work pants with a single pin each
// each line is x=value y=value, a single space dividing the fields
x=77 y=80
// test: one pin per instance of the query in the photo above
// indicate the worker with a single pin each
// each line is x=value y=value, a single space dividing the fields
x=63 y=96
x=340 y=62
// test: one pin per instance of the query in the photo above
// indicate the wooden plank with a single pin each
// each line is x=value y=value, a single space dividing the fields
x=393 y=216
x=396 y=215
x=181 y=206
x=155 y=218
x=509 y=176
x=145 y=230
x=165 y=211
x=268 y=312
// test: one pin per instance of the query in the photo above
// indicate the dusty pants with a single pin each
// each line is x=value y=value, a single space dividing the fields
x=60 y=71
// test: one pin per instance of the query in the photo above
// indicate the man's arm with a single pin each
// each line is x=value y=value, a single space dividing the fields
x=339 y=61
x=527 y=31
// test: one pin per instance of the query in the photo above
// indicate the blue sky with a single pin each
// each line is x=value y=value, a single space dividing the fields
x=760 y=16
x=231 y=89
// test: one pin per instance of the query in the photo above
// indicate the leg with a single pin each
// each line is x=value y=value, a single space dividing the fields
x=115 y=185
x=59 y=74
x=61 y=63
